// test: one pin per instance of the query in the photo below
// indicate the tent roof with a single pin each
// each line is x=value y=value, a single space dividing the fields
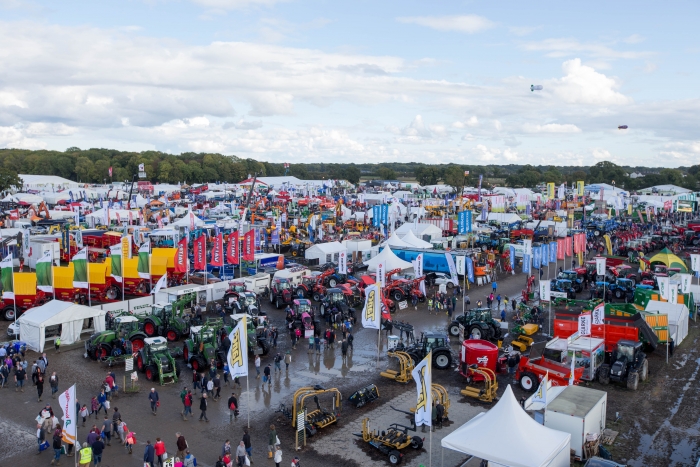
x=328 y=247
x=529 y=443
x=396 y=242
x=58 y=312
x=389 y=259
x=667 y=257
x=415 y=242
x=185 y=221
x=675 y=311
x=420 y=228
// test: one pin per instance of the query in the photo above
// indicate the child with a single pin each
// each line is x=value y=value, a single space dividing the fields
x=130 y=440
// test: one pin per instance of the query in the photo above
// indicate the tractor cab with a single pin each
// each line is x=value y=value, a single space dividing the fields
x=153 y=345
x=162 y=310
x=279 y=285
x=248 y=303
x=628 y=364
x=236 y=287
x=301 y=306
x=433 y=340
x=126 y=325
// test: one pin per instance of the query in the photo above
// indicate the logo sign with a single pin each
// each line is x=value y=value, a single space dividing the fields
x=462 y=223
x=483 y=361
x=381 y=274
x=545 y=290
x=403 y=305
x=695 y=263
x=342 y=262
x=584 y=324
x=598 y=314
x=371 y=314
x=600 y=266
x=238 y=352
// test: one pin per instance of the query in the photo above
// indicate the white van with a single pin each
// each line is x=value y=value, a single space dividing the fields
x=257 y=283
x=294 y=275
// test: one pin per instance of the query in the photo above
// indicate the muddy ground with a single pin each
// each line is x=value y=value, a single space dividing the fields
x=658 y=424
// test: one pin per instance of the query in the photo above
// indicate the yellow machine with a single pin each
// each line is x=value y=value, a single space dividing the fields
x=440 y=395
x=488 y=392
x=318 y=417
x=405 y=368
x=522 y=342
x=390 y=441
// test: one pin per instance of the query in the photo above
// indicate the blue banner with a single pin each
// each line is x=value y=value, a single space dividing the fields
x=469 y=221
x=528 y=208
x=385 y=214
x=512 y=258
x=376 y=215
x=545 y=254
x=462 y=223
x=470 y=269
x=275 y=237
x=536 y=257
x=553 y=252
x=526 y=264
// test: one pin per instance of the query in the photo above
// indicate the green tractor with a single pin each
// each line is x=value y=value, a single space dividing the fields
x=155 y=360
x=201 y=347
x=167 y=319
x=126 y=337
x=257 y=333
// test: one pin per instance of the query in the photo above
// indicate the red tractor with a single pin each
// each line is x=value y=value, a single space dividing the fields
x=281 y=292
x=313 y=286
x=533 y=367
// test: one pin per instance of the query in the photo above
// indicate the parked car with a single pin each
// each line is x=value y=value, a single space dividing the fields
x=13 y=330
x=439 y=278
x=203 y=278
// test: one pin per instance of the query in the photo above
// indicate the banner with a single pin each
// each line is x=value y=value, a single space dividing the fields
x=584 y=324
x=248 y=252
x=664 y=286
x=600 y=264
x=673 y=293
x=526 y=263
x=419 y=263
x=237 y=357
x=553 y=252
x=200 y=252
x=541 y=393
x=536 y=257
x=115 y=257
x=162 y=282
x=470 y=270
x=217 y=251
x=343 y=262
x=598 y=315
x=126 y=246
x=181 y=256
x=44 y=272
x=453 y=269
x=372 y=311
x=67 y=402
x=511 y=257
x=80 y=271
x=550 y=190
x=685 y=280
x=545 y=289
x=568 y=245
x=462 y=223
x=376 y=215
x=422 y=376
x=381 y=275
x=560 y=248
x=608 y=245
x=695 y=263
x=527 y=243
x=144 y=263
x=8 y=281
x=232 y=248
x=579 y=188
x=460 y=264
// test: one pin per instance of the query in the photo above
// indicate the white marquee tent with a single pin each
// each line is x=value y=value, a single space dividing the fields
x=391 y=261
x=528 y=444
x=396 y=242
x=420 y=229
x=416 y=242
x=33 y=323
x=678 y=316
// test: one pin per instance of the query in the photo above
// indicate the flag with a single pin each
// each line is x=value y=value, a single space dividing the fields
x=115 y=256
x=452 y=267
x=162 y=282
x=573 y=369
x=191 y=220
x=80 y=269
x=8 y=280
x=568 y=245
x=685 y=280
x=419 y=263
x=217 y=251
x=249 y=246
x=584 y=324
x=372 y=311
x=545 y=290
x=536 y=257
x=110 y=171
x=422 y=376
x=70 y=419
x=600 y=266
x=664 y=286
x=126 y=246
x=232 y=248
x=598 y=315
x=44 y=272
x=237 y=357
x=200 y=252
x=343 y=262
x=381 y=274
x=144 y=263
x=526 y=264
x=695 y=262
x=181 y=256
x=541 y=393
x=511 y=254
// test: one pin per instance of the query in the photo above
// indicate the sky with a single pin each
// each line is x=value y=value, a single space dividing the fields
x=356 y=81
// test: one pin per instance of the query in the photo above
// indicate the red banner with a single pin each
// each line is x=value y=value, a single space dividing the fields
x=560 y=248
x=569 y=245
x=232 y=248
x=577 y=243
x=181 y=256
x=217 y=251
x=200 y=253
x=249 y=246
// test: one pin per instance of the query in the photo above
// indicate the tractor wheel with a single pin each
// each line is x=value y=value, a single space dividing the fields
x=112 y=293
x=272 y=298
x=150 y=328
x=596 y=233
x=9 y=313
x=295 y=252
x=300 y=293
x=332 y=282
x=136 y=344
x=618 y=293
x=604 y=374
x=416 y=442
x=632 y=380
x=529 y=382
x=278 y=303
x=103 y=351
x=316 y=297
x=397 y=295
x=442 y=361
x=198 y=364
x=139 y=363
x=177 y=369
x=416 y=359
x=454 y=329
x=395 y=457
x=151 y=373
x=476 y=331
x=185 y=353
x=172 y=335
x=644 y=373
x=265 y=347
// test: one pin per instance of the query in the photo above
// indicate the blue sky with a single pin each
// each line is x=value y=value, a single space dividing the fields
x=362 y=81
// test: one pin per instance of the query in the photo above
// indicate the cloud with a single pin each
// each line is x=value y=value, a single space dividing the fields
x=243 y=125
x=566 y=47
x=472 y=122
x=523 y=30
x=512 y=141
x=633 y=39
x=650 y=67
x=469 y=24
x=601 y=154
x=14 y=137
x=583 y=85
x=551 y=128
x=235 y=4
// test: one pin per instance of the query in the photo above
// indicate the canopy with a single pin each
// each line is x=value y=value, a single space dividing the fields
x=421 y=229
x=70 y=316
x=185 y=221
x=396 y=242
x=415 y=242
x=529 y=444
x=389 y=259
x=678 y=316
x=667 y=257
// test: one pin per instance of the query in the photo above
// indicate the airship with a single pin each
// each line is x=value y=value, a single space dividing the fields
x=622 y=127
x=535 y=87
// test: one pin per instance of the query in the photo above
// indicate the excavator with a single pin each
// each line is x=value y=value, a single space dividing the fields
x=33 y=212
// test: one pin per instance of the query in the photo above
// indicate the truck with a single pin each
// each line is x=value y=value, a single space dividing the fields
x=258 y=283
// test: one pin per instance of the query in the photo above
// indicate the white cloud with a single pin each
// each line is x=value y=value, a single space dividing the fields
x=234 y=4
x=650 y=67
x=14 y=137
x=472 y=122
x=464 y=23
x=634 y=39
x=523 y=30
x=583 y=85
x=566 y=47
x=551 y=128
x=601 y=154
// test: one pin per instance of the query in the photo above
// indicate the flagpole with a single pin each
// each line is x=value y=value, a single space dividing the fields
x=14 y=298
x=150 y=275
x=430 y=447
x=53 y=289
x=87 y=257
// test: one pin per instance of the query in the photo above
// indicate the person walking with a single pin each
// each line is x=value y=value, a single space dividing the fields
x=39 y=386
x=154 y=400
x=116 y=416
x=53 y=382
x=344 y=349
x=183 y=394
x=271 y=441
x=287 y=360
x=122 y=431
x=57 y=441
x=267 y=377
x=57 y=345
x=195 y=381
x=159 y=451
x=503 y=315
x=20 y=376
x=240 y=454
x=98 y=448
x=107 y=430
x=149 y=454
x=189 y=398
x=430 y=305
x=190 y=460
x=217 y=386
x=203 y=408
x=278 y=455
x=40 y=437
x=85 y=455
x=278 y=362
x=226 y=448
x=257 y=366
x=232 y=405
x=494 y=286
x=181 y=444
x=498 y=300
x=248 y=446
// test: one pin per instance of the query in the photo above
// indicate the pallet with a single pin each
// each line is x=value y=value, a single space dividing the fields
x=608 y=436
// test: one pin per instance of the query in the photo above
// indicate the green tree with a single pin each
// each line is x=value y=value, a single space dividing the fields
x=606 y=172
x=428 y=175
x=352 y=174
x=454 y=177
x=385 y=173
x=9 y=179
x=83 y=169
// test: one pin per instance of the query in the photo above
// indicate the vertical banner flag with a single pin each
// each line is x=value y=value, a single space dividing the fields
x=512 y=258
x=470 y=215
x=343 y=262
x=664 y=285
x=598 y=315
x=381 y=275
x=608 y=244
x=568 y=245
x=695 y=263
x=528 y=246
x=536 y=257
x=376 y=215
x=584 y=324
x=67 y=402
x=44 y=272
x=248 y=252
x=526 y=264
x=126 y=246
x=550 y=190
x=162 y=282
x=560 y=248
x=600 y=266
x=545 y=290
x=579 y=187
x=80 y=269
x=181 y=256
x=385 y=214
x=470 y=270
x=217 y=251
x=673 y=293
x=232 y=248
x=460 y=264
x=238 y=352
x=144 y=267
x=684 y=279
x=545 y=254
x=422 y=376
x=462 y=223
x=452 y=267
x=541 y=393
x=192 y=221
x=200 y=253
x=115 y=256
x=553 y=252
x=372 y=312
x=8 y=281
x=419 y=262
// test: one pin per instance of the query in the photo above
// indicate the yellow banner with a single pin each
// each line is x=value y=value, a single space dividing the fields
x=608 y=245
x=579 y=187
x=629 y=209
x=550 y=190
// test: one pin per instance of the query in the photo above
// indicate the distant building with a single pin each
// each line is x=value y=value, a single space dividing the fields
x=636 y=175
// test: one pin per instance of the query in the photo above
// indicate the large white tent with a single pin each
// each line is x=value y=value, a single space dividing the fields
x=420 y=229
x=389 y=259
x=325 y=252
x=416 y=242
x=71 y=317
x=677 y=318
x=527 y=443
x=396 y=242
x=185 y=221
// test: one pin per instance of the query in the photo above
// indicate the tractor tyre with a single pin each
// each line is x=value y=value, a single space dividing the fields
x=295 y=252
x=177 y=369
x=198 y=363
x=644 y=371
x=151 y=373
x=172 y=335
x=450 y=285
x=136 y=344
x=9 y=313
x=103 y=351
x=529 y=382
x=476 y=331
x=112 y=293
x=278 y=303
x=332 y=282
x=618 y=293
x=272 y=298
x=316 y=297
x=185 y=354
x=416 y=442
x=394 y=457
x=604 y=374
x=442 y=361
x=300 y=292
x=596 y=233
x=150 y=328
x=416 y=358
x=140 y=363
x=265 y=347
x=397 y=295
x=454 y=329
x=632 y=380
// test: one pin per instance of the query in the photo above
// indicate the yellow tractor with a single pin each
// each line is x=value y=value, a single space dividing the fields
x=405 y=368
x=440 y=395
x=392 y=440
x=488 y=392
x=318 y=417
